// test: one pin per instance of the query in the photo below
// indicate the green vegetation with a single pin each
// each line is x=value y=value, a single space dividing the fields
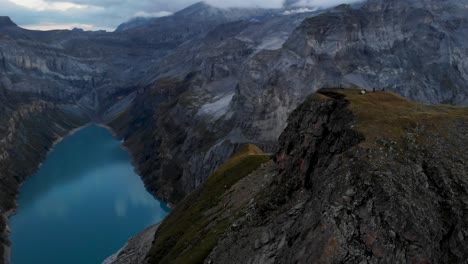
x=388 y=115
x=194 y=227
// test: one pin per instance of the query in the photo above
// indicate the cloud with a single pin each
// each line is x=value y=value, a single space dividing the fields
x=108 y=14
x=41 y=5
x=319 y=3
x=154 y=14
x=53 y=26
x=298 y=11
x=247 y=3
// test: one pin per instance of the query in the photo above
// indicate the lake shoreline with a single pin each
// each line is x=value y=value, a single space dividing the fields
x=133 y=160
x=80 y=156
x=7 y=214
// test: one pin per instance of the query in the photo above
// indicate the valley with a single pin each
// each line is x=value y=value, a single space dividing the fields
x=187 y=92
x=86 y=190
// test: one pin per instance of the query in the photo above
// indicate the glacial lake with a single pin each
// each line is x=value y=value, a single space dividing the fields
x=84 y=203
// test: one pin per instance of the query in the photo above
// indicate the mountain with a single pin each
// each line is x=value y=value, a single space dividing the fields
x=226 y=90
x=199 y=13
x=186 y=92
x=347 y=185
x=188 y=104
x=135 y=23
x=356 y=185
x=54 y=82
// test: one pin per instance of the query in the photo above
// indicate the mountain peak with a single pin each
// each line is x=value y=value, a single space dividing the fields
x=6 y=21
x=198 y=7
x=201 y=4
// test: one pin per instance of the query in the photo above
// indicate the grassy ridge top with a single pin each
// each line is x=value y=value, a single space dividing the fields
x=193 y=228
x=247 y=150
x=384 y=114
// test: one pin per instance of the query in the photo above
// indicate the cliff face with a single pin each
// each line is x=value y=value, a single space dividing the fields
x=242 y=84
x=387 y=44
x=414 y=48
x=368 y=178
x=187 y=119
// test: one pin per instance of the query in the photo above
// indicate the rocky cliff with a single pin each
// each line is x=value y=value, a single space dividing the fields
x=414 y=48
x=186 y=112
x=358 y=178
x=53 y=82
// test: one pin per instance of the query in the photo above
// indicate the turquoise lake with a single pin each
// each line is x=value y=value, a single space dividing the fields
x=84 y=203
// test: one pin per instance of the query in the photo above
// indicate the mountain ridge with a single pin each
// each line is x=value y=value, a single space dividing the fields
x=326 y=194
x=200 y=12
x=359 y=194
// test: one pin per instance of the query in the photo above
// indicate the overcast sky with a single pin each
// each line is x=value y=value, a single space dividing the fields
x=108 y=14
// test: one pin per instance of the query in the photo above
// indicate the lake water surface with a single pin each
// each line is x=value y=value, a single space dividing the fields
x=82 y=205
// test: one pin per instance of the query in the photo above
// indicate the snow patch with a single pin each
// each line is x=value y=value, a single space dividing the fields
x=299 y=11
x=243 y=39
x=274 y=42
x=217 y=108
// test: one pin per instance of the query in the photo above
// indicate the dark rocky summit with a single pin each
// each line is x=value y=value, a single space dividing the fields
x=387 y=186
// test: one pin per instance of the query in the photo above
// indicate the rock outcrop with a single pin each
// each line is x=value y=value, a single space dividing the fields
x=136 y=249
x=389 y=188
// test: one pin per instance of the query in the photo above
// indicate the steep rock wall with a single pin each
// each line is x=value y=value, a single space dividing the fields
x=398 y=197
